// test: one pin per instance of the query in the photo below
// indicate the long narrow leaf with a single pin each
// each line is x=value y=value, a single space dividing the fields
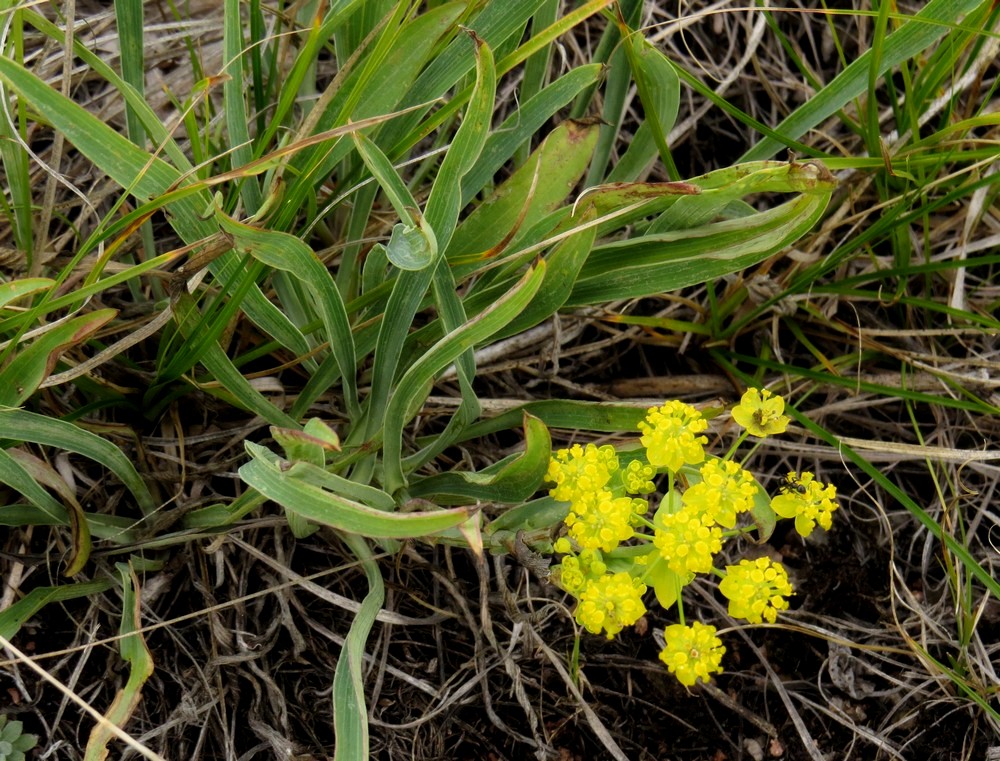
x=287 y=253
x=350 y=716
x=13 y=618
x=265 y=474
x=415 y=382
x=134 y=652
x=932 y=22
x=22 y=425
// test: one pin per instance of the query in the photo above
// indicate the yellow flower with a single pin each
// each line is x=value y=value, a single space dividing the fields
x=687 y=542
x=638 y=478
x=569 y=575
x=760 y=412
x=610 y=603
x=756 y=589
x=580 y=471
x=724 y=491
x=692 y=652
x=807 y=501
x=599 y=520
x=576 y=571
x=670 y=436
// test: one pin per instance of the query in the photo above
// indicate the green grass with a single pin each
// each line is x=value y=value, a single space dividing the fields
x=323 y=233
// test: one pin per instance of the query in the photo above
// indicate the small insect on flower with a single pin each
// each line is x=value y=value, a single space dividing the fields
x=761 y=413
x=806 y=500
x=791 y=483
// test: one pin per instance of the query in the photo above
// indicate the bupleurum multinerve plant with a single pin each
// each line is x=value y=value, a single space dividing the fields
x=613 y=551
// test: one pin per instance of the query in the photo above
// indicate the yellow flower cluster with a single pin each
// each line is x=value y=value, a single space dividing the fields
x=756 y=589
x=600 y=521
x=601 y=516
x=610 y=603
x=576 y=571
x=807 y=501
x=670 y=435
x=692 y=652
x=705 y=497
x=579 y=472
x=725 y=490
x=638 y=478
x=687 y=542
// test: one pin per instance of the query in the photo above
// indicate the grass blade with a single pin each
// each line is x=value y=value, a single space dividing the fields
x=933 y=21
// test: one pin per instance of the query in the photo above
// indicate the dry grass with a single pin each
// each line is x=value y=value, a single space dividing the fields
x=473 y=658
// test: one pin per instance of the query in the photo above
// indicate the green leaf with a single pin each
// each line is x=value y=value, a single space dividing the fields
x=415 y=383
x=659 y=91
x=666 y=584
x=494 y=24
x=763 y=514
x=523 y=124
x=512 y=480
x=233 y=91
x=544 y=513
x=14 y=474
x=299 y=446
x=571 y=415
x=667 y=261
x=147 y=177
x=445 y=199
x=934 y=20
x=33 y=364
x=363 y=493
x=289 y=254
x=266 y=474
x=18 y=289
x=13 y=618
x=564 y=263
x=413 y=245
x=21 y=425
x=134 y=652
x=532 y=192
x=411 y=248
x=232 y=384
x=350 y=716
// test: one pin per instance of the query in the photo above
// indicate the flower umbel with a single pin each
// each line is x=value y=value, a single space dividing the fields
x=687 y=541
x=576 y=571
x=610 y=548
x=756 y=589
x=670 y=435
x=598 y=520
x=611 y=603
x=638 y=478
x=760 y=412
x=692 y=652
x=581 y=471
x=807 y=501
x=725 y=490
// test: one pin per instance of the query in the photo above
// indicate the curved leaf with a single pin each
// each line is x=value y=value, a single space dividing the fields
x=265 y=474
x=17 y=289
x=20 y=379
x=287 y=253
x=415 y=383
x=511 y=480
x=21 y=425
